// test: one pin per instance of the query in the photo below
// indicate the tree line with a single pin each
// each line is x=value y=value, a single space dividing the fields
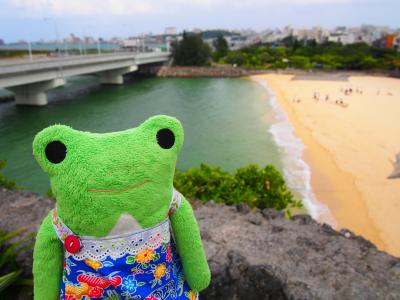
x=289 y=53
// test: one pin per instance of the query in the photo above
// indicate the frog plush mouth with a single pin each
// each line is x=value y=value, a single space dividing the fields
x=127 y=188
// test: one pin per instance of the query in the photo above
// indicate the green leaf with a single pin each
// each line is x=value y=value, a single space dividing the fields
x=6 y=236
x=130 y=260
x=164 y=247
x=156 y=257
x=153 y=283
x=24 y=281
x=8 y=279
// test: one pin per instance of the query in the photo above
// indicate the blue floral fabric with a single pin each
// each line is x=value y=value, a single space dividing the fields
x=141 y=265
x=150 y=275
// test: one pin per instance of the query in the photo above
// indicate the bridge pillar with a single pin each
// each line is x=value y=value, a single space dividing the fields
x=115 y=76
x=35 y=94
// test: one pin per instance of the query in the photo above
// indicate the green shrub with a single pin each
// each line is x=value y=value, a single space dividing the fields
x=12 y=280
x=280 y=64
x=9 y=184
x=257 y=187
x=235 y=57
x=300 y=62
x=369 y=62
x=328 y=61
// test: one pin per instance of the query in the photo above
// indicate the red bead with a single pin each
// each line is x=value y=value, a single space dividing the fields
x=72 y=244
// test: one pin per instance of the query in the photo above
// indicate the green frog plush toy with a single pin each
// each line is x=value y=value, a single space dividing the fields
x=119 y=229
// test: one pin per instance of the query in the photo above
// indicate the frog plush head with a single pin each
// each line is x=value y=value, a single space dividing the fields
x=97 y=178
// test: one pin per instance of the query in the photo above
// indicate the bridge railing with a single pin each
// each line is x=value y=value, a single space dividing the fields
x=24 y=52
x=17 y=66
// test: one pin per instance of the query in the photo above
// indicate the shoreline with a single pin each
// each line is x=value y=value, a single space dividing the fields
x=335 y=187
x=296 y=171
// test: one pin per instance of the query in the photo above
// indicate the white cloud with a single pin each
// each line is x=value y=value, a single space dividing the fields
x=85 y=7
x=40 y=8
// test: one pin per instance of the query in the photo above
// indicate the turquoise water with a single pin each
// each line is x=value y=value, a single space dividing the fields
x=226 y=121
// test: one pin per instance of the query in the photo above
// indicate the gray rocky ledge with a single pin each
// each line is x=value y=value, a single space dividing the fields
x=257 y=254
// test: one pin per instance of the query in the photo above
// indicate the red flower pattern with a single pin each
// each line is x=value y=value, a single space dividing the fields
x=168 y=255
x=95 y=292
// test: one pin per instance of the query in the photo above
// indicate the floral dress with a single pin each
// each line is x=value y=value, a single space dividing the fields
x=143 y=264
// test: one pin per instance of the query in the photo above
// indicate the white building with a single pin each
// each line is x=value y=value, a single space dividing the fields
x=170 y=31
x=131 y=43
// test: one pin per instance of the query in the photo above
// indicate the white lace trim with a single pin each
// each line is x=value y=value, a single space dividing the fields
x=119 y=246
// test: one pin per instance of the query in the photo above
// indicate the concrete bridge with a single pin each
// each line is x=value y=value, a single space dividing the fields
x=30 y=81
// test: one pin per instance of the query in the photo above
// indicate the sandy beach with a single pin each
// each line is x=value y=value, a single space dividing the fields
x=351 y=140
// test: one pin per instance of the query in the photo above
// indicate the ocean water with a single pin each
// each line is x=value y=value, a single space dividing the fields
x=228 y=122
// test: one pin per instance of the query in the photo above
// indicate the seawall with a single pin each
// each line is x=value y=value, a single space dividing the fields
x=226 y=71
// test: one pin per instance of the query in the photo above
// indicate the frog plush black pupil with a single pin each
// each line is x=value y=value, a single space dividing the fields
x=165 y=138
x=55 y=152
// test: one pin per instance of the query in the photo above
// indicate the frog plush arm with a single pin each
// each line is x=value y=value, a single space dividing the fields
x=188 y=241
x=47 y=262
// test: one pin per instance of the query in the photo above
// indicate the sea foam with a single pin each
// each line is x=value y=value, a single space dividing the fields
x=296 y=171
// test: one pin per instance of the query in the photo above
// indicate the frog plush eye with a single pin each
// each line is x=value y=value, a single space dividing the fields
x=55 y=152
x=165 y=138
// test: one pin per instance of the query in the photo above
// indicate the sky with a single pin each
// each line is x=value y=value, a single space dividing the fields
x=45 y=19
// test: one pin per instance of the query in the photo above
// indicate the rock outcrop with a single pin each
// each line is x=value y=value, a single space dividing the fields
x=260 y=254
x=396 y=171
x=23 y=209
